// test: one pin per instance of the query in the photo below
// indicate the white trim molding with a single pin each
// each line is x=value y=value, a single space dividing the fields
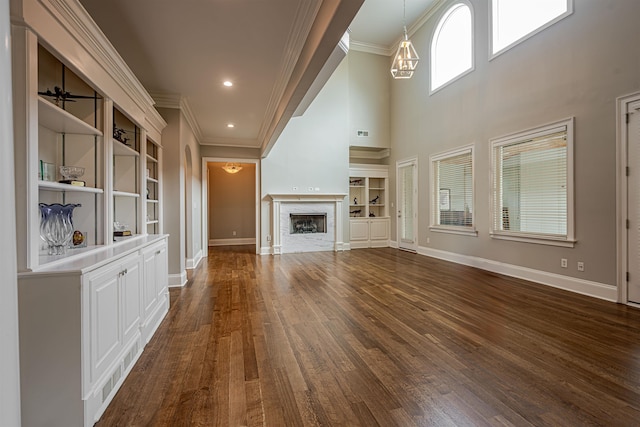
x=178 y=280
x=233 y=242
x=602 y=291
x=192 y=263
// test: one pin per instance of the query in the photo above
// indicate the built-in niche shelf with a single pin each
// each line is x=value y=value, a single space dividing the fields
x=369 y=221
x=58 y=120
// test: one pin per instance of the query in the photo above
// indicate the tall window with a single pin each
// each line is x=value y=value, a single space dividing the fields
x=533 y=186
x=452 y=191
x=513 y=21
x=452 y=46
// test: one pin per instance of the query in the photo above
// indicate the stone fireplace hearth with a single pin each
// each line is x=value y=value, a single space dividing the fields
x=306 y=222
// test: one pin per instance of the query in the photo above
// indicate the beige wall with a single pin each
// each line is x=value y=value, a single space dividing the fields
x=232 y=205
x=577 y=67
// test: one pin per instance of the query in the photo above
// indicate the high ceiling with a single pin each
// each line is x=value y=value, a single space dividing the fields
x=271 y=50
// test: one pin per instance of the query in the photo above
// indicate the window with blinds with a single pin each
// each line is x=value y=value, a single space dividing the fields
x=532 y=186
x=452 y=191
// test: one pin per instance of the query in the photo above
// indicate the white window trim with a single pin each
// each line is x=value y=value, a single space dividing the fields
x=450 y=229
x=548 y=129
x=526 y=36
x=473 y=47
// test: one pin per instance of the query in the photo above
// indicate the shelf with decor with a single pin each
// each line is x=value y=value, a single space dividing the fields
x=369 y=220
x=152 y=177
x=70 y=153
x=126 y=167
x=78 y=285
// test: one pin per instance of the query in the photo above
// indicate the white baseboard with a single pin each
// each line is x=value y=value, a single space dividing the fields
x=265 y=250
x=192 y=263
x=178 y=280
x=580 y=286
x=346 y=246
x=393 y=244
x=232 y=242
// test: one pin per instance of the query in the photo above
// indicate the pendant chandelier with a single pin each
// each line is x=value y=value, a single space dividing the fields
x=232 y=167
x=406 y=58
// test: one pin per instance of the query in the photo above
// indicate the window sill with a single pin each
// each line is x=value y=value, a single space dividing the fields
x=539 y=240
x=464 y=231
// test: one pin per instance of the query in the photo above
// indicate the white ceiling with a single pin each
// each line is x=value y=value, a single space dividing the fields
x=271 y=50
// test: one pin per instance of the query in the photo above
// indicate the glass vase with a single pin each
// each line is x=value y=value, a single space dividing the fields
x=56 y=226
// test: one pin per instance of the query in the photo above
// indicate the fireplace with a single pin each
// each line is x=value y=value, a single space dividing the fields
x=307 y=223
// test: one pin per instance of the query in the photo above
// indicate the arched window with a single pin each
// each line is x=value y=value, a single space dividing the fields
x=452 y=46
x=513 y=21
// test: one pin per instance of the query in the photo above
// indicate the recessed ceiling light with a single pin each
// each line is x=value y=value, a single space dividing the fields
x=230 y=125
x=227 y=83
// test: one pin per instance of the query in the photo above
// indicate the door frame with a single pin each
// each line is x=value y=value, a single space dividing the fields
x=622 y=205
x=205 y=197
x=400 y=164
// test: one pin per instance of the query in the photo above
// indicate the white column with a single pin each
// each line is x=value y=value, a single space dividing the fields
x=275 y=220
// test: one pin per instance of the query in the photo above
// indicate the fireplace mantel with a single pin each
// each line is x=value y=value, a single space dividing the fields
x=336 y=199
x=308 y=197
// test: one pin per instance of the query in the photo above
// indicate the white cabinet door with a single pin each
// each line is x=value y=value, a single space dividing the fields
x=131 y=294
x=379 y=229
x=149 y=291
x=358 y=230
x=162 y=271
x=105 y=335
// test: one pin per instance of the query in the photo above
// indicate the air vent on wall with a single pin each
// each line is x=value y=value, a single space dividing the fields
x=363 y=133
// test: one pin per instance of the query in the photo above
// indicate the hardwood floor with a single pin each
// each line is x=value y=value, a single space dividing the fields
x=380 y=337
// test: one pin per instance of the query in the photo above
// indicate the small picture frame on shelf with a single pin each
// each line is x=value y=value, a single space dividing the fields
x=47 y=171
x=79 y=240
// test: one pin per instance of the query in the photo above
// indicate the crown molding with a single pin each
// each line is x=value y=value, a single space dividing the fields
x=411 y=30
x=79 y=24
x=177 y=101
x=303 y=22
x=232 y=142
x=375 y=49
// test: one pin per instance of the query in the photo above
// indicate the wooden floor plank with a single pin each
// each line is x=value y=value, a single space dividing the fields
x=379 y=337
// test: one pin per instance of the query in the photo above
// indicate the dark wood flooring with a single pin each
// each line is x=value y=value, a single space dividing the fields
x=381 y=337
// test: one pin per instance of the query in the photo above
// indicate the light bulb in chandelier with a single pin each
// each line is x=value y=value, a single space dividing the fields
x=405 y=60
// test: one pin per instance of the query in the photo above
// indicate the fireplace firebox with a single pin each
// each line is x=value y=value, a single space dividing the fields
x=307 y=223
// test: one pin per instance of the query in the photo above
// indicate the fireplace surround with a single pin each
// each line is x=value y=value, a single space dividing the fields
x=327 y=208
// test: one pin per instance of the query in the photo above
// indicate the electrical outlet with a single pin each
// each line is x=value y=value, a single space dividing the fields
x=310 y=188
x=233 y=232
x=580 y=266
x=563 y=263
x=428 y=241
x=294 y=188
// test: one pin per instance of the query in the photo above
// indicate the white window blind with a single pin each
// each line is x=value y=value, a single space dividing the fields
x=452 y=190
x=531 y=187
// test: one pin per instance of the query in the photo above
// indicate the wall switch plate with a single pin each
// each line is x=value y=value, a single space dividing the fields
x=563 y=263
x=580 y=266
x=310 y=188
x=294 y=188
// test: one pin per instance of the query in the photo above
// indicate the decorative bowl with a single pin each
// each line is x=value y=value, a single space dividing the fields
x=71 y=172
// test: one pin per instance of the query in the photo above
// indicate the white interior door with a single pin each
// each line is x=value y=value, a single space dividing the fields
x=633 y=202
x=407 y=202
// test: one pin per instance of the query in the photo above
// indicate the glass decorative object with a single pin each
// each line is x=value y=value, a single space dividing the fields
x=56 y=226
